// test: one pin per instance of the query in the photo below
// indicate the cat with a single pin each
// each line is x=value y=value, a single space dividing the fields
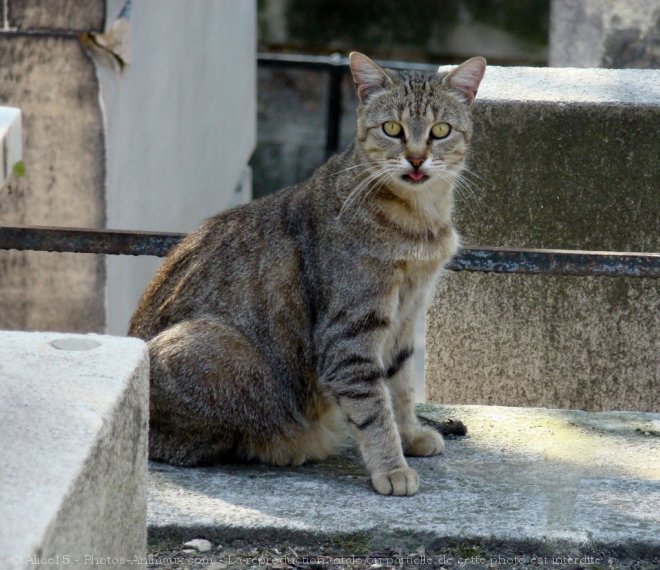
x=277 y=323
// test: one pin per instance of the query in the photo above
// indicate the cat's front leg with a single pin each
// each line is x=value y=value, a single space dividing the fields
x=417 y=440
x=358 y=383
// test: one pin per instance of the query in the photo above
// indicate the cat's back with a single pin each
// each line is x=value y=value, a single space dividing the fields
x=238 y=263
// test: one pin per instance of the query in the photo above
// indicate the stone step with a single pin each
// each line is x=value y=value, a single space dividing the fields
x=557 y=481
x=73 y=416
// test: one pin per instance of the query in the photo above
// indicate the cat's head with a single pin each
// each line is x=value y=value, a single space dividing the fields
x=414 y=128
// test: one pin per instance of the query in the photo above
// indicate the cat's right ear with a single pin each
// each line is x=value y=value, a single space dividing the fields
x=369 y=78
x=466 y=77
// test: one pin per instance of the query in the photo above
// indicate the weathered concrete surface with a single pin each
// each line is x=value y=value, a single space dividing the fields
x=60 y=15
x=74 y=444
x=600 y=33
x=565 y=159
x=532 y=477
x=527 y=340
x=53 y=82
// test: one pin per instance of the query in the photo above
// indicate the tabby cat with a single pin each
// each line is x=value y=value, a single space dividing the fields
x=277 y=323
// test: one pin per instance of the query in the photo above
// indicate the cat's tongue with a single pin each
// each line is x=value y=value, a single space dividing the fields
x=416 y=176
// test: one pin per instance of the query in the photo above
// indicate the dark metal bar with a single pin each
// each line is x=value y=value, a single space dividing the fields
x=87 y=240
x=557 y=262
x=493 y=259
x=333 y=122
x=323 y=62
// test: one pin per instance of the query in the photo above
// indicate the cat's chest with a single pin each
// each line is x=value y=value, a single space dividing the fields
x=413 y=282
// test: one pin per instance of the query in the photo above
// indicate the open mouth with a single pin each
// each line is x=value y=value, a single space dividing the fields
x=415 y=177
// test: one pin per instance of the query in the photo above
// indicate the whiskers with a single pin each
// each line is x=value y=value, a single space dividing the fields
x=465 y=186
x=372 y=182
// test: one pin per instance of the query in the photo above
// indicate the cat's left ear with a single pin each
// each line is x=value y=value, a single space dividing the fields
x=467 y=77
x=368 y=76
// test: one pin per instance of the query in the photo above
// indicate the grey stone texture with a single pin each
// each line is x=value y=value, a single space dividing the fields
x=58 y=15
x=53 y=82
x=74 y=440
x=555 y=481
x=602 y=33
x=536 y=340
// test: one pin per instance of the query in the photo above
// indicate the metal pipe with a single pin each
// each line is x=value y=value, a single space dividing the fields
x=333 y=118
x=485 y=259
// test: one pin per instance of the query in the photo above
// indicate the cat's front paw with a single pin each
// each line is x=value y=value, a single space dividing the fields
x=400 y=482
x=424 y=442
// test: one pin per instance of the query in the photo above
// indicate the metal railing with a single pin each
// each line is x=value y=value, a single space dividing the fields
x=491 y=259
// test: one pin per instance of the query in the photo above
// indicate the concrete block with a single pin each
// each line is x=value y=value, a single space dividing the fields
x=542 y=481
x=74 y=411
x=10 y=141
x=59 y=15
x=588 y=343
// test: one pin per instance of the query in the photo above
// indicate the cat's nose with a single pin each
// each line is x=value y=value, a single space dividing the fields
x=416 y=162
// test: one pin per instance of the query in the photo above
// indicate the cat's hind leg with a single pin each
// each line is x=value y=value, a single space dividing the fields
x=213 y=395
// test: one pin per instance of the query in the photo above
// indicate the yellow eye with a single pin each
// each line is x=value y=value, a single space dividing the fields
x=440 y=130
x=392 y=129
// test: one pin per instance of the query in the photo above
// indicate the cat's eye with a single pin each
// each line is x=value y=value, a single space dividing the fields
x=392 y=129
x=440 y=130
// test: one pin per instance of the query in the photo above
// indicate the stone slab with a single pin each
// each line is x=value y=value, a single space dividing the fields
x=569 y=86
x=532 y=477
x=74 y=439
x=589 y=343
x=560 y=159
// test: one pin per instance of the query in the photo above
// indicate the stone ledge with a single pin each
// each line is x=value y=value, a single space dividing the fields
x=533 y=478
x=74 y=414
x=570 y=86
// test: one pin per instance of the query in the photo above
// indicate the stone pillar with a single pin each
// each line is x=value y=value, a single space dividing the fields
x=46 y=72
x=602 y=33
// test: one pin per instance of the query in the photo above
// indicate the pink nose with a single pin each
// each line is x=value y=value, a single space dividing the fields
x=416 y=162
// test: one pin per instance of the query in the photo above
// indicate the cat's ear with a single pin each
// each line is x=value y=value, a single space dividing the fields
x=467 y=77
x=368 y=77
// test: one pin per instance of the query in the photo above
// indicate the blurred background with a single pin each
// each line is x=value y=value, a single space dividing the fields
x=291 y=102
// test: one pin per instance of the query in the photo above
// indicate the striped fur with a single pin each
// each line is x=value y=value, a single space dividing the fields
x=277 y=324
